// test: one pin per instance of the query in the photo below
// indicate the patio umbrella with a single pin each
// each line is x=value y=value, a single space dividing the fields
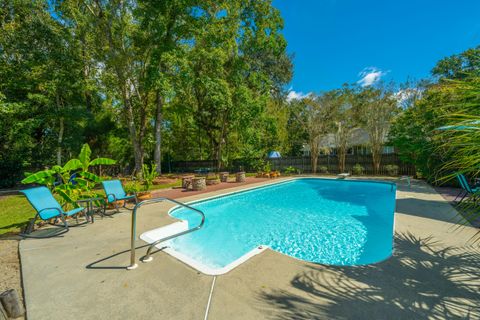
x=274 y=155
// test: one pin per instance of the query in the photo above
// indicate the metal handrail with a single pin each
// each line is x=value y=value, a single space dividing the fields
x=147 y=257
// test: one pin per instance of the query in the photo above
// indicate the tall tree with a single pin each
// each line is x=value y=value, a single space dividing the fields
x=318 y=117
x=377 y=107
x=346 y=120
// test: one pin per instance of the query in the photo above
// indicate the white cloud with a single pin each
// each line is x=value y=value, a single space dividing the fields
x=294 y=95
x=370 y=76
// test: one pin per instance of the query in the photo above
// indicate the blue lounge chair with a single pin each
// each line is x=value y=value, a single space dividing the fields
x=466 y=188
x=115 y=192
x=47 y=208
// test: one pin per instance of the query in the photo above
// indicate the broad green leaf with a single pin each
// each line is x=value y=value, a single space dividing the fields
x=66 y=196
x=102 y=161
x=81 y=182
x=84 y=156
x=57 y=169
x=38 y=177
x=72 y=165
x=90 y=176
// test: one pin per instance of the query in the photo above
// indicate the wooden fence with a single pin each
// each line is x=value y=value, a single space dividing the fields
x=303 y=164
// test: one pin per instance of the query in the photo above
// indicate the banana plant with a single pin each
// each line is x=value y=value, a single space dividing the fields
x=71 y=188
x=83 y=163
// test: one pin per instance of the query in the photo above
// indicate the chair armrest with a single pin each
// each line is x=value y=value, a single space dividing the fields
x=114 y=198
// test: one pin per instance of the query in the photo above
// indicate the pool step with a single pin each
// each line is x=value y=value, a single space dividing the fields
x=164 y=232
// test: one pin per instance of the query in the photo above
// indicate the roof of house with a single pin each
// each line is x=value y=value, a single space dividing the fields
x=358 y=137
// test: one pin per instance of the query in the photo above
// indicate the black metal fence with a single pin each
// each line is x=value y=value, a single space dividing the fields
x=325 y=164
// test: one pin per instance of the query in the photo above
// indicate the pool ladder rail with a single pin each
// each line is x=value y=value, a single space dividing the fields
x=148 y=257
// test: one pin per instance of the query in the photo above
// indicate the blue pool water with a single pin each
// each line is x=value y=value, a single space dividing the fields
x=324 y=221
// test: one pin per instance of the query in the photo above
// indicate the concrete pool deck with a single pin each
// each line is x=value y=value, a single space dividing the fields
x=433 y=273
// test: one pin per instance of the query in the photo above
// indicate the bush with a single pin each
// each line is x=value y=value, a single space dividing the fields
x=323 y=169
x=132 y=187
x=358 y=169
x=392 y=169
x=290 y=170
x=149 y=174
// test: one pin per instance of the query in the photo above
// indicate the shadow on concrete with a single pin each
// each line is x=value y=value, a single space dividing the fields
x=113 y=261
x=422 y=280
x=431 y=209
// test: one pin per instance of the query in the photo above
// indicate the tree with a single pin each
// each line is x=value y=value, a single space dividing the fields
x=318 y=119
x=377 y=108
x=458 y=66
x=234 y=71
x=346 y=120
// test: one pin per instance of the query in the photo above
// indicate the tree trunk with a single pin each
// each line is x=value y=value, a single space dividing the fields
x=376 y=159
x=158 y=133
x=137 y=146
x=341 y=159
x=60 y=141
x=314 y=155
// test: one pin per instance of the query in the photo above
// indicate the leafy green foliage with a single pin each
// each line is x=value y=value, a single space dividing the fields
x=290 y=170
x=392 y=170
x=149 y=174
x=358 y=169
x=75 y=179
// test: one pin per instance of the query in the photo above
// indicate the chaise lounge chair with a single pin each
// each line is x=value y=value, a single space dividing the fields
x=467 y=190
x=115 y=192
x=47 y=208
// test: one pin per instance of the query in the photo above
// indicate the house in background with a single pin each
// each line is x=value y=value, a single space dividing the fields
x=358 y=144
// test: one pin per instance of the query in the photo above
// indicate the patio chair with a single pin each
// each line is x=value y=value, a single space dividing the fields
x=467 y=190
x=115 y=192
x=47 y=208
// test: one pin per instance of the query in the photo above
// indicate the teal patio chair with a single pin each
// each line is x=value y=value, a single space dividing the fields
x=47 y=208
x=115 y=192
x=467 y=189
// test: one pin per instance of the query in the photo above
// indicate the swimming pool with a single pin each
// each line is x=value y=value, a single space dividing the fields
x=337 y=222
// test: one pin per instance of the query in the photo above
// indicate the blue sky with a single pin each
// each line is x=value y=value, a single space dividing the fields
x=339 y=41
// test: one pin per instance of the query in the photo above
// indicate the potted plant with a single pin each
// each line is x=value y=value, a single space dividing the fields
x=149 y=174
x=224 y=176
x=212 y=180
x=240 y=176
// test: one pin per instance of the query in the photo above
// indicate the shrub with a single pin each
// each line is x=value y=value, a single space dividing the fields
x=323 y=169
x=358 y=169
x=267 y=168
x=132 y=187
x=290 y=170
x=392 y=169
x=149 y=174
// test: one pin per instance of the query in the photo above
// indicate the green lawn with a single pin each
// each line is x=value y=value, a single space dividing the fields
x=15 y=211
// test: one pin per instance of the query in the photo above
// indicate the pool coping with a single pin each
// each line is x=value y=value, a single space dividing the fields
x=183 y=226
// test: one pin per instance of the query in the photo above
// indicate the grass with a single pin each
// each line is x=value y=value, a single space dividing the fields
x=15 y=212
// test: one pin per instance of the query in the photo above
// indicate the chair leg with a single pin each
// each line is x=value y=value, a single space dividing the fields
x=64 y=227
x=29 y=227
x=466 y=193
x=459 y=194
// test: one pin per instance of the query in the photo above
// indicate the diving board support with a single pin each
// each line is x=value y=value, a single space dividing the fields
x=147 y=258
